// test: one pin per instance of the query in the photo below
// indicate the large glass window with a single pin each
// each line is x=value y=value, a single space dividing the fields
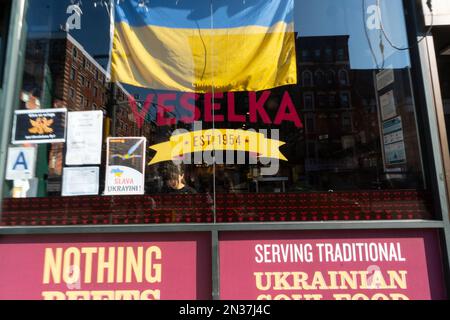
x=215 y=111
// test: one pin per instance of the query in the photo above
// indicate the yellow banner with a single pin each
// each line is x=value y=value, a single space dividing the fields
x=217 y=139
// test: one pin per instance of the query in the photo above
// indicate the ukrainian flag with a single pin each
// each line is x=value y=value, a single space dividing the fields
x=200 y=45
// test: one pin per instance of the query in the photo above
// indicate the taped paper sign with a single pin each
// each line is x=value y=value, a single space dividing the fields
x=39 y=126
x=125 y=171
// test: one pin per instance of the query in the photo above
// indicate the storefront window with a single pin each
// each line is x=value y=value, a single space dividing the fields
x=215 y=111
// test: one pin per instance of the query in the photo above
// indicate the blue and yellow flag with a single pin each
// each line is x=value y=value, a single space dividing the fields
x=198 y=45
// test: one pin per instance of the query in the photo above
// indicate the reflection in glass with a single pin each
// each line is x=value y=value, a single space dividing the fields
x=332 y=107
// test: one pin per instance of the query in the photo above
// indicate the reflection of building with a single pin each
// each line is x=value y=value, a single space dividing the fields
x=340 y=120
x=63 y=74
x=340 y=138
x=73 y=79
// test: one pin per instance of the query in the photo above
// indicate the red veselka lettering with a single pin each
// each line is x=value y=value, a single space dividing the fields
x=167 y=114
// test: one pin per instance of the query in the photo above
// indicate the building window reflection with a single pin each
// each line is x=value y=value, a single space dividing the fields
x=341 y=55
x=345 y=99
x=343 y=77
x=306 y=55
x=329 y=54
x=317 y=54
x=319 y=77
x=308 y=101
x=322 y=99
x=73 y=74
x=307 y=78
x=330 y=77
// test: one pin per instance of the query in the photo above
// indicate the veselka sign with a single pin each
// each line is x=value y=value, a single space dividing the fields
x=172 y=108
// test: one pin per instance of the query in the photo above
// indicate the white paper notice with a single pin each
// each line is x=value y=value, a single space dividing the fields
x=385 y=78
x=80 y=181
x=84 y=138
x=388 y=108
x=393 y=137
x=395 y=153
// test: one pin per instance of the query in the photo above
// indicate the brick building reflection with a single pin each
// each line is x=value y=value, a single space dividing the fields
x=60 y=73
x=340 y=146
x=340 y=115
x=343 y=143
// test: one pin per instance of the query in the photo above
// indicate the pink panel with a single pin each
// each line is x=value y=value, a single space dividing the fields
x=331 y=265
x=155 y=266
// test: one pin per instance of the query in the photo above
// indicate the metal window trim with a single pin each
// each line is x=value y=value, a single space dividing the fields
x=436 y=124
x=231 y=227
x=215 y=267
x=436 y=127
x=12 y=72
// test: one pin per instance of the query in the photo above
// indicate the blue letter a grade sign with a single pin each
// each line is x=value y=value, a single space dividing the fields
x=21 y=163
